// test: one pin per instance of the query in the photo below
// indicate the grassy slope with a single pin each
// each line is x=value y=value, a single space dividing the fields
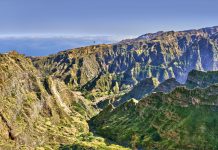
x=183 y=119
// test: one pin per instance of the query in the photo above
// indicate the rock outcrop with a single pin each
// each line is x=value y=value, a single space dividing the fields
x=33 y=106
x=142 y=89
x=53 y=97
x=162 y=55
x=167 y=86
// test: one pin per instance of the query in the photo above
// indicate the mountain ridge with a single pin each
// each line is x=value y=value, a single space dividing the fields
x=55 y=96
x=161 y=121
x=33 y=106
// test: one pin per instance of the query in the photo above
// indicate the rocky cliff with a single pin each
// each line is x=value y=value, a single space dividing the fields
x=40 y=111
x=167 y=86
x=162 y=55
x=140 y=90
x=148 y=86
x=33 y=106
x=52 y=97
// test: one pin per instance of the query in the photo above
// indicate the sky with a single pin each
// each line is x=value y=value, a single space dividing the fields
x=96 y=20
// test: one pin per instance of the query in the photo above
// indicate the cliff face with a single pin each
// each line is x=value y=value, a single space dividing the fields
x=195 y=79
x=162 y=55
x=32 y=106
x=52 y=97
x=148 y=86
x=143 y=88
x=167 y=86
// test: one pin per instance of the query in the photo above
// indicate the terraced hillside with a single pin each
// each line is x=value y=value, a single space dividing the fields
x=182 y=119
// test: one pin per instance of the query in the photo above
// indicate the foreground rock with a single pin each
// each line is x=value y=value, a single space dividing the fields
x=38 y=111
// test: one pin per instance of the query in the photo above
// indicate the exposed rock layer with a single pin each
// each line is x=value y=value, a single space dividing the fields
x=162 y=55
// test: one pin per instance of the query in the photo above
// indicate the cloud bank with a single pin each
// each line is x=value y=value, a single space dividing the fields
x=39 y=45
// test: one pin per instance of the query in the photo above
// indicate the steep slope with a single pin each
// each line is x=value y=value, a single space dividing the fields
x=201 y=79
x=167 y=86
x=195 y=79
x=30 y=109
x=182 y=119
x=139 y=91
x=148 y=86
x=162 y=55
x=37 y=111
x=52 y=97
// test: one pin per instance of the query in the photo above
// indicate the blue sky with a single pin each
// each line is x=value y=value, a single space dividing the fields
x=117 y=19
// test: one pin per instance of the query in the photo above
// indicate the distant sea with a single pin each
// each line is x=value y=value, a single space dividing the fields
x=36 y=46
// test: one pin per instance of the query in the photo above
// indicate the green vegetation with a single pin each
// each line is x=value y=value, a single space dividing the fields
x=201 y=79
x=182 y=119
x=91 y=142
x=55 y=97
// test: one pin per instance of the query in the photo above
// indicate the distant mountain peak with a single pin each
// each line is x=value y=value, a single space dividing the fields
x=150 y=36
